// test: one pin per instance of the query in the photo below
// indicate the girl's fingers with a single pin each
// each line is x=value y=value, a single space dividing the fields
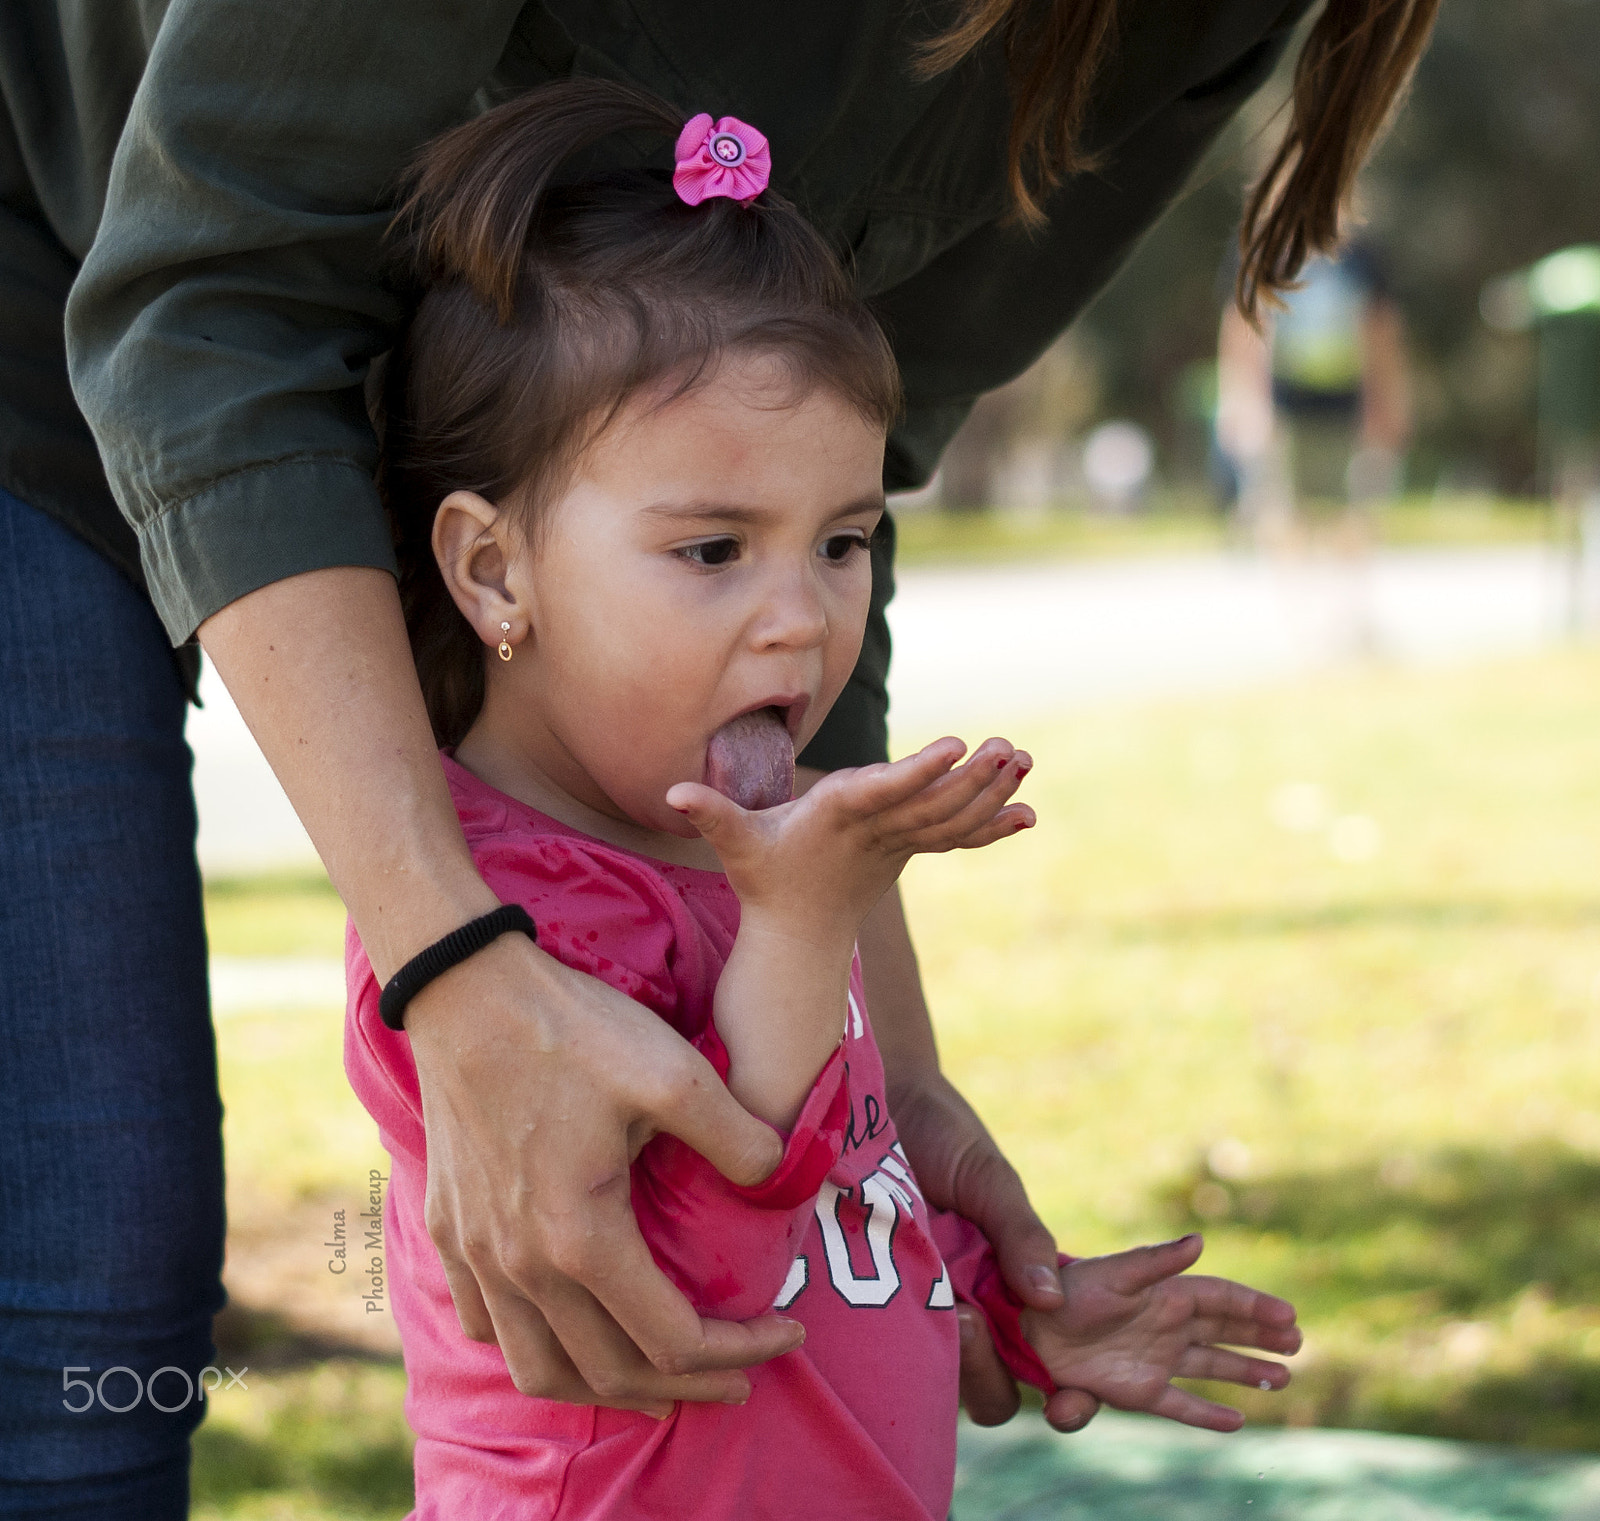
x=1143 y=1267
x=1009 y=821
x=954 y=805
x=1245 y=1315
x=965 y=818
x=1227 y=1332
x=875 y=789
x=1222 y=1366
x=708 y=810
x=1191 y=1410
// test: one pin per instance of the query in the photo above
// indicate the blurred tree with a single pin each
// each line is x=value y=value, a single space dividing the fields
x=1494 y=161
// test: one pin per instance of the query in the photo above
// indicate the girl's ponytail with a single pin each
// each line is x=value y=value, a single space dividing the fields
x=477 y=192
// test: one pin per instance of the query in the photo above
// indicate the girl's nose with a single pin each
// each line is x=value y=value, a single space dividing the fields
x=792 y=615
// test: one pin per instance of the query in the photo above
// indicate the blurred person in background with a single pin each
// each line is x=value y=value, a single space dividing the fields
x=192 y=199
x=1314 y=404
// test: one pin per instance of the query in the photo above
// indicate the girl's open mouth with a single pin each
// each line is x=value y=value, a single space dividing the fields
x=751 y=759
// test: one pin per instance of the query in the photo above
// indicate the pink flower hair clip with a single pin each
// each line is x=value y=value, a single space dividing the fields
x=726 y=158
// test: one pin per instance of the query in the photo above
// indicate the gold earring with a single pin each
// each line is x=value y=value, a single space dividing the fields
x=505 y=642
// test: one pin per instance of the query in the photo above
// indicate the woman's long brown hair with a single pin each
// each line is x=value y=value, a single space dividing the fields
x=1355 y=65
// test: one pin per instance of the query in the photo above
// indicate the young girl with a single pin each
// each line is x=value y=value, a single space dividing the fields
x=634 y=443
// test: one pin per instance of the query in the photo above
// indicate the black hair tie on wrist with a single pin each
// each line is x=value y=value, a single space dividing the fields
x=439 y=957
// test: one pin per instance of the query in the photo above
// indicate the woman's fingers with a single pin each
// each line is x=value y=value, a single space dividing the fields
x=608 y=1363
x=542 y=1369
x=605 y=1256
x=694 y=1104
x=476 y=1322
x=1069 y=1410
x=988 y=1391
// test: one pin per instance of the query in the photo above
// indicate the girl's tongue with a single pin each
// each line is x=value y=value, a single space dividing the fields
x=751 y=760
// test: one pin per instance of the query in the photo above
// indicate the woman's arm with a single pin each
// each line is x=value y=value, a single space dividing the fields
x=959 y=1167
x=956 y=1160
x=535 y=1079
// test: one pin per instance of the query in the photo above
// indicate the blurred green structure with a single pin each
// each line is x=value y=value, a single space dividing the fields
x=1559 y=299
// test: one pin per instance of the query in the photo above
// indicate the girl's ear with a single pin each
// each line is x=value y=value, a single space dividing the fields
x=473 y=542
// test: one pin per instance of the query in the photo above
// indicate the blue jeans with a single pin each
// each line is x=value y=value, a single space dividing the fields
x=111 y=1215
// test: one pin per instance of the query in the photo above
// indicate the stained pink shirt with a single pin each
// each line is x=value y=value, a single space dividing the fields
x=860 y=1422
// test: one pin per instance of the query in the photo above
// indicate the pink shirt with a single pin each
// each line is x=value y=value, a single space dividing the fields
x=860 y=1422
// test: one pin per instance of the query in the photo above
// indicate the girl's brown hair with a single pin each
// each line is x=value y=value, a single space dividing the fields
x=543 y=301
x=1355 y=65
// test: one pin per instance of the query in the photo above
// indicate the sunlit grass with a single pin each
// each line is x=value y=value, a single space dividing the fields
x=317 y=1444
x=287 y=914
x=1289 y=965
x=312 y=1438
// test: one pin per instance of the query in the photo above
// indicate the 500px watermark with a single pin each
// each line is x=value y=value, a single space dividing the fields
x=195 y=1388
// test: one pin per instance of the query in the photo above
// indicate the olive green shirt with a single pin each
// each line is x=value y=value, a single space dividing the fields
x=201 y=187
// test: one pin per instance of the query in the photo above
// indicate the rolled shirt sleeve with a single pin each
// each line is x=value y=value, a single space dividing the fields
x=220 y=331
x=226 y=314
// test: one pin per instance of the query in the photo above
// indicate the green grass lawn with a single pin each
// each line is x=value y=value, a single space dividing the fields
x=1315 y=969
x=1318 y=971
x=1185 y=524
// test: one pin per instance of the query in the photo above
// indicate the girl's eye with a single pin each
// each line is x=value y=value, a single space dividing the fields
x=841 y=546
x=712 y=552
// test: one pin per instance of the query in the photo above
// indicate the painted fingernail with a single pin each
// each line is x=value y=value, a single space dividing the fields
x=1266 y=1386
x=1000 y=765
x=1022 y=771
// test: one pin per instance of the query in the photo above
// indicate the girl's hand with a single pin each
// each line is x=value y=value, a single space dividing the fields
x=1131 y=1324
x=817 y=865
x=807 y=873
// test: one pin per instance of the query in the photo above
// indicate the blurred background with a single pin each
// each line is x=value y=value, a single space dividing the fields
x=1305 y=951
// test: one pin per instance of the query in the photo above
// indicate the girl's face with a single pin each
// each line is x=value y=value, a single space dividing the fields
x=709 y=558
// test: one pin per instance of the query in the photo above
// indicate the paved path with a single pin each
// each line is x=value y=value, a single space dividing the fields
x=1128 y=1468
x=1010 y=641
x=997 y=644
